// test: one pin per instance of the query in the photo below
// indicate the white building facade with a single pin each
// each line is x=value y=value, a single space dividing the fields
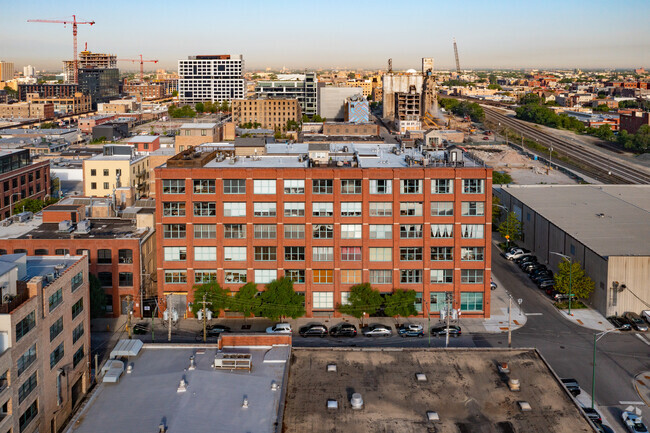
x=211 y=78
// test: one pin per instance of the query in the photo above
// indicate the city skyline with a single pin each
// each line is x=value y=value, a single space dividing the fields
x=342 y=35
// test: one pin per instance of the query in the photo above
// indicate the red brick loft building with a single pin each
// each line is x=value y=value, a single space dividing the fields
x=328 y=216
x=20 y=178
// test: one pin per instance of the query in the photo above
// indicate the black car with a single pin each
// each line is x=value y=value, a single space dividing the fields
x=313 y=330
x=525 y=259
x=593 y=415
x=141 y=328
x=454 y=330
x=343 y=330
x=531 y=267
x=635 y=321
x=541 y=274
x=216 y=330
x=572 y=385
x=619 y=323
x=561 y=296
x=545 y=284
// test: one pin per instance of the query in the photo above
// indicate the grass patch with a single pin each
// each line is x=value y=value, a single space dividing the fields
x=575 y=305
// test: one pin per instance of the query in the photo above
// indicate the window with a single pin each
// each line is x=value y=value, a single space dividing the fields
x=125 y=256
x=323 y=231
x=322 y=209
x=472 y=231
x=106 y=185
x=409 y=208
x=295 y=275
x=265 y=276
x=264 y=186
x=380 y=254
x=28 y=416
x=381 y=276
x=442 y=208
x=351 y=254
x=173 y=186
x=204 y=186
x=442 y=276
x=205 y=231
x=234 y=209
x=55 y=299
x=323 y=276
x=381 y=208
x=470 y=254
x=203 y=254
x=234 y=254
x=173 y=254
x=471 y=276
x=56 y=355
x=381 y=231
x=410 y=186
x=265 y=209
x=472 y=208
x=232 y=276
x=442 y=253
x=442 y=186
x=173 y=208
x=410 y=276
x=572 y=250
x=104 y=257
x=205 y=276
x=106 y=172
x=438 y=301
x=26 y=388
x=25 y=325
x=61 y=251
x=56 y=328
x=42 y=252
x=174 y=231
x=350 y=231
x=323 y=300
x=322 y=254
x=351 y=276
x=381 y=186
x=351 y=209
x=234 y=231
x=471 y=301
x=125 y=279
x=294 y=186
x=77 y=333
x=345 y=298
x=294 y=209
x=350 y=186
x=77 y=281
x=410 y=254
x=234 y=186
x=294 y=231
x=93 y=185
x=93 y=172
x=207 y=209
x=264 y=231
x=175 y=277
x=442 y=230
x=473 y=186
x=105 y=278
x=410 y=231
x=322 y=186
x=265 y=254
x=26 y=359
x=78 y=356
x=294 y=254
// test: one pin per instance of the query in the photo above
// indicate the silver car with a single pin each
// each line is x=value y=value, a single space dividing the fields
x=377 y=331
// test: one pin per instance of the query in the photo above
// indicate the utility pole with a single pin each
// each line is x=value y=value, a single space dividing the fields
x=169 y=320
x=429 y=320
x=205 y=317
x=129 y=315
x=509 y=321
x=449 y=296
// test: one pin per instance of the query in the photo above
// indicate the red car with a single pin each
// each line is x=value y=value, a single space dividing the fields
x=486 y=138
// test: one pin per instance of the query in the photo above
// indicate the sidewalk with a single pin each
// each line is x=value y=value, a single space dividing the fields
x=642 y=385
x=588 y=318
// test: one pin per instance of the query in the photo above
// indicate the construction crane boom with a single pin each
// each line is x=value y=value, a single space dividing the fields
x=74 y=23
x=456 y=54
x=141 y=61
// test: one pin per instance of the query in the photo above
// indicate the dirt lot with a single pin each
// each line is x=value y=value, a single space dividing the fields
x=463 y=387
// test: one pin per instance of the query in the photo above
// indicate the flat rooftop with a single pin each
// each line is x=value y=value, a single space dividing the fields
x=198 y=125
x=148 y=396
x=101 y=228
x=40 y=266
x=611 y=220
x=462 y=385
x=142 y=139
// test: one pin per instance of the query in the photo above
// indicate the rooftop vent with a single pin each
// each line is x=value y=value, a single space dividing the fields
x=331 y=368
x=182 y=387
x=503 y=367
x=332 y=404
x=432 y=416
x=192 y=364
x=600 y=215
x=274 y=386
x=421 y=377
x=356 y=401
x=524 y=406
x=244 y=403
x=514 y=385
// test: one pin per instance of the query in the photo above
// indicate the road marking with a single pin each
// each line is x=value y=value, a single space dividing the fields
x=642 y=338
x=630 y=402
x=533 y=314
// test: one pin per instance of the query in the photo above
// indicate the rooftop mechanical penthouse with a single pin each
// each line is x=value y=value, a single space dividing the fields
x=328 y=216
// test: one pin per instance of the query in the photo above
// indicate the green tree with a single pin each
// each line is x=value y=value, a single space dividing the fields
x=496 y=210
x=604 y=132
x=511 y=227
x=255 y=77
x=305 y=118
x=501 y=178
x=400 y=303
x=530 y=98
x=175 y=93
x=273 y=77
x=246 y=301
x=581 y=284
x=11 y=93
x=363 y=299
x=48 y=125
x=217 y=297
x=603 y=108
x=224 y=107
x=279 y=300
x=199 y=107
x=317 y=118
x=351 y=75
x=642 y=139
x=31 y=205
x=494 y=87
x=97 y=297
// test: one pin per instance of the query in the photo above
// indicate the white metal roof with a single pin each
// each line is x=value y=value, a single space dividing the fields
x=126 y=347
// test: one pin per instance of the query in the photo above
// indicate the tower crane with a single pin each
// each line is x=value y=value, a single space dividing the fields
x=74 y=23
x=456 y=54
x=141 y=61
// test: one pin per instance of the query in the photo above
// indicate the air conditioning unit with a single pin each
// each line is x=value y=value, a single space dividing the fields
x=65 y=226
x=83 y=226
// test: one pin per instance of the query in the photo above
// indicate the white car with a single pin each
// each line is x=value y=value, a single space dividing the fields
x=376 y=331
x=279 y=328
x=646 y=315
x=517 y=254
x=633 y=423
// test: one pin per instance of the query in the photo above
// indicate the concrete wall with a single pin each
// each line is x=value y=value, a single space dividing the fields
x=393 y=83
x=331 y=102
x=634 y=273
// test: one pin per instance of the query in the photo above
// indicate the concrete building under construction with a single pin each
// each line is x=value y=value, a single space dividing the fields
x=88 y=59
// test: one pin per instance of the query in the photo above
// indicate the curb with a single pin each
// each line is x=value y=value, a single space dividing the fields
x=636 y=387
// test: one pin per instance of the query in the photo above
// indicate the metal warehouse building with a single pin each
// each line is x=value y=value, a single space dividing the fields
x=604 y=227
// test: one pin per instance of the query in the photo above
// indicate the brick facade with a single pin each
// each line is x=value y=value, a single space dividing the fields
x=31 y=181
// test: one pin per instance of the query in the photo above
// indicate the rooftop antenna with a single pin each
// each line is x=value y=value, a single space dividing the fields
x=390 y=66
x=456 y=55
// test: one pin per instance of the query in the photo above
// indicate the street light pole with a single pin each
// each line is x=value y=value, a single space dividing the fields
x=597 y=337
x=507 y=225
x=570 y=260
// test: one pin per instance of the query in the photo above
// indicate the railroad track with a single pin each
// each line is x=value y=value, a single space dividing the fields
x=600 y=167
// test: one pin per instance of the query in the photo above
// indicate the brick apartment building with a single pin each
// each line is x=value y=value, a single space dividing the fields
x=269 y=113
x=27 y=110
x=145 y=90
x=328 y=219
x=21 y=178
x=633 y=120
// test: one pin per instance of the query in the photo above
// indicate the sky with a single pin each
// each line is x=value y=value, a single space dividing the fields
x=336 y=34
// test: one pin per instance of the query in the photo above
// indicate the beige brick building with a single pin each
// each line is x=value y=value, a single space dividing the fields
x=77 y=104
x=193 y=134
x=27 y=110
x=269 y=113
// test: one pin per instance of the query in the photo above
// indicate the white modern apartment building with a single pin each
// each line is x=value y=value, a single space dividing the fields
x=215 y=78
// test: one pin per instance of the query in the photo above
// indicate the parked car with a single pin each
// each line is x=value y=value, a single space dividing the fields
x=313 y=330
x=541 y=276
x=561 y=296
x=410 y=330
x=633 y=423
x=535 y=267
x=525 y=259
x=646 y=315
x=572 y=385
x=377 y=331
x=141 y=328
x=593 y=415
x=216 y=330
x=343 y=330
x=531 y=266
x=545 y=284
x=619 y=323
x=454 y=330
x=515 y=254
x=635 y=321
x=512 y=249
x=493 y=285
x=279 y=328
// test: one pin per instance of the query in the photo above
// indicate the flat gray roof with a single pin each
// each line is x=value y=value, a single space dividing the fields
x=611 y=220
x=148 y=396
x=39 y=266
x=198 y=125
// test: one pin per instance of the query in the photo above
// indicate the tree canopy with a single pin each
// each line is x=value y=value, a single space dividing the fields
x=97 y=297
x=214 y=294
x=463 y=108
x=400 y=303
x=511 y=227
x=33 y=205
x=280 y=300
x=572 y=274
x=363 y=299
x=501 y=178
x=246 y=301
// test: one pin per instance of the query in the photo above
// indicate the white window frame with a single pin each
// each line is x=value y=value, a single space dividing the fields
x=264 y=186
x=380 y=254
x=351 y=209
x=294 y=209
x=265 y=209
x=472 y=231
x=205 y=254
x=294 y=186
x=323 y=300
x=265 y=276
x=234 y=209
x=322 y=209
x=351 y=231
x=234 y=254
x=381 y=186
x=380 y=231
x=174 y=254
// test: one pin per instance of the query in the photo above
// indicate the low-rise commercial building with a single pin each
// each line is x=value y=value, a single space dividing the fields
x=349 y=129
x=267 y=113
x=145 y=90
x=145 y=143
x=105 y=173
x=27 y=110
x=193 y=134
x=64 y=105
x=631 y=122
x=21 y=178
x=86 y=124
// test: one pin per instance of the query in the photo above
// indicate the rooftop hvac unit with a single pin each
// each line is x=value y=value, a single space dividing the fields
x=83 y=226
x=49 y=277
x=25 y=216
x=65 y=226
